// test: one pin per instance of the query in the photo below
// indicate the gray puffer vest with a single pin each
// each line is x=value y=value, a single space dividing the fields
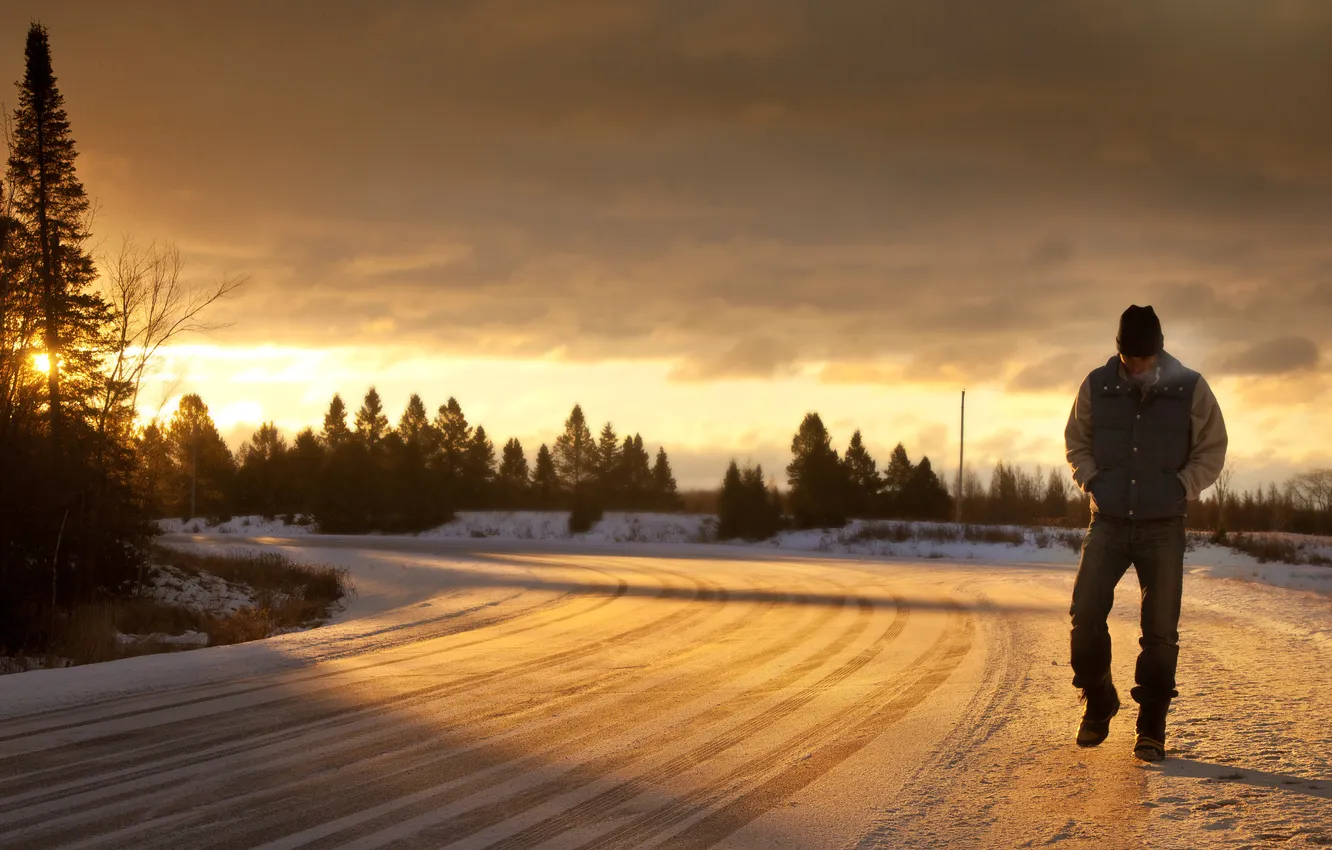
x=1140 y=442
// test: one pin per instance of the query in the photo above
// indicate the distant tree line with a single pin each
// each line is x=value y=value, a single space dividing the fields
x=825 y=489
x=359 y=473
x=1302 y=505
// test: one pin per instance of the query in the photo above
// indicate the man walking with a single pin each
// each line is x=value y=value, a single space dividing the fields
x=1145 y=437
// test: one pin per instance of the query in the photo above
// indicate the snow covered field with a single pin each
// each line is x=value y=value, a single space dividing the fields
x=495 y=692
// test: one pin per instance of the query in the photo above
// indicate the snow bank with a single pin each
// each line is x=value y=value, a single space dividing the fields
x=184 y=639
x=615 y=527
x=244 y=525
x=203 y=593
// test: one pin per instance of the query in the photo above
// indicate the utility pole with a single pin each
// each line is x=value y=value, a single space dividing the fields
x=194 y=465
x=961 y=449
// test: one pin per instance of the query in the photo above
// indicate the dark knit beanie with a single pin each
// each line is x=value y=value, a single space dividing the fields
x=1139 y=333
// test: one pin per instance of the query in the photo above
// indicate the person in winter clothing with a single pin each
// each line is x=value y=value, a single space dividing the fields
x=1145 y=437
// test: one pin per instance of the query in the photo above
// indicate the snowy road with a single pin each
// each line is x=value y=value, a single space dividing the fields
x=523 y=695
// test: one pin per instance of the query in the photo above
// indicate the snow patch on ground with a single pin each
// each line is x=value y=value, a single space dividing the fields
x=203 y=592
x=25 y=664
x=614 y=527
x=185 y=639
x=246 y=525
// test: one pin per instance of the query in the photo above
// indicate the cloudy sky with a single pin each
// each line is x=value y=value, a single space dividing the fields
x=701 y=219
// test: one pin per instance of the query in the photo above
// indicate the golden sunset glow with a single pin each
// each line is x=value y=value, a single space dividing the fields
x=41 y=363
x=703 y=245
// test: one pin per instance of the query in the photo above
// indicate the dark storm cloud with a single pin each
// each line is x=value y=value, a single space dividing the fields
x=957 y=187
x=1272 y=357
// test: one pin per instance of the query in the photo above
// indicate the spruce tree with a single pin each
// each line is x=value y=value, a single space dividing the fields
x=817 y=478
x=67 y=476
x=50 y=200
x=926 y=495
x=371 y=423
x=203 y=465
x=153 y=472
x=414 y=501
x=863 y=477
x=304 y=467
x=664 y=493
x=896 y=480
x=261 y=478
x=455 y=441
x=336 y=431
x=1054 y=504
x=513 y=474
x=479 y=470
x=545 y=479
x=635 y=474
x=575 y=453
x=745 y=506
x=414 y=426
x=731 y=504
x=606 y=466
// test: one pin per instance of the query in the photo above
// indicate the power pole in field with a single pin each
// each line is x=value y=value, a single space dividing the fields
x=961 y=449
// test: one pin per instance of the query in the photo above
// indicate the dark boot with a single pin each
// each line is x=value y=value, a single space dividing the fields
x=1102 y=703
x=1151 y=729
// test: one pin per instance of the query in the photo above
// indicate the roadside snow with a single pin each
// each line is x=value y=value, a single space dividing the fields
x=203 y=592
x=247 y=525
x=184 y=639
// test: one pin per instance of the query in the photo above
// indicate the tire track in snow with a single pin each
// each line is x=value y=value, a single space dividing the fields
x=921 y=813
x=414 y=636
x=702 y=590
x=537 y=746
x=807 y=757
x=204 y=799
x=602 y=769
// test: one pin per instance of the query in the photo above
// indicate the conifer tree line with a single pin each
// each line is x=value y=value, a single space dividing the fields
x=361 y=473
x=826 y=489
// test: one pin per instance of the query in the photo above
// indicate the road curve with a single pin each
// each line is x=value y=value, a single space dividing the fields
x=540 y=697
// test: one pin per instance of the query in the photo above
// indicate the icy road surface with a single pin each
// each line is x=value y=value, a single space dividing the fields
x=551 y=695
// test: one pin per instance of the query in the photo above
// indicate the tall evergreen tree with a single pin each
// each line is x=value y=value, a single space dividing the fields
x=371 y=423
x=153 y=472
x=925 y=496
x=66 y=463
x=745 y=507
x=1054 y=503
x=416 y=499
x=261 y=476
x=863 y=476
x=545 y=480
x=305 y=463
x=897 y=480
x=817 y=478
x=478 y=470
x=606 y=465
x=512 y=477
x=664 y=493
x=455 y=441
x=414 y=427
x=203 y=464
x=50 y=199
x=336 y=431
x=575 y=453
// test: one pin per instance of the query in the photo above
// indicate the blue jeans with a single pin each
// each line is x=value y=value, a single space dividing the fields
x=1155 y=548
